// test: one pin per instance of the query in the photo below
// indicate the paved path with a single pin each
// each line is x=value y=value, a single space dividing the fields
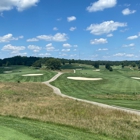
x=58 y=92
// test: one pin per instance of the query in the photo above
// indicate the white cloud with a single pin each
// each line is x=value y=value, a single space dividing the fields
x=129 y=55
x=94 y=56
x=100 y=5
x=98 y=41
x=20 y=5
x=32 y=40
x=50 y=47
x=45 y=54
x=104 y=49
x=72 y=18
x=65 y=50
x=66 y=45
x=8 y=38
x=129 y=45
x=73 y=55
x=123 y=55
x=72 y=28
x=62 y=54
x=34 y=48
x=55 y=28
x=109 y=35
x=57 y=37
x=13 y=49
x=105 y=27
x=119 y=54
x=127 y=11
x=22 y=54
x=132 y=37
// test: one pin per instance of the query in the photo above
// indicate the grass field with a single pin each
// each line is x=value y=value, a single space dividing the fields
x=30 y=110
x=14 y=74
x=15 y=129
x=59 y=118
x=116 y=88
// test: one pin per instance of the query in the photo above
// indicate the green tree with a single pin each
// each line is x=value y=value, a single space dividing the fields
x=37 y=64
x=53 y=64
x=96 y=65
x=133 y=64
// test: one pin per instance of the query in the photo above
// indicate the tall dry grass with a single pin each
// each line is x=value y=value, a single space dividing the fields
x=37 y=101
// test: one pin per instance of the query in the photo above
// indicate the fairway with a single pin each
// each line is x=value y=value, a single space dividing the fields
x=11 y=134
x=24 y=74
x=115 y=88
x=15 y=129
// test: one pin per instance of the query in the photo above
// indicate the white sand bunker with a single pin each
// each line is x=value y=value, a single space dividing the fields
x=32 y=74
x=135 y=77
x=97 y=70
x=84 y=78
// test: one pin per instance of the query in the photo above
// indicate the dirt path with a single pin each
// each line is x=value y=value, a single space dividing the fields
x=58 y=92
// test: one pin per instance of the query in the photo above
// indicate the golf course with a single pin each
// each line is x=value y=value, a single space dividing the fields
x=117 y=88
x=29 y=109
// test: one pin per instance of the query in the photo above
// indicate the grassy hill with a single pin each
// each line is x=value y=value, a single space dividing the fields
x=59 y=118
x=30 y=110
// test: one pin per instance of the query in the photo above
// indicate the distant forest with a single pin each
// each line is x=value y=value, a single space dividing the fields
x=56 y=63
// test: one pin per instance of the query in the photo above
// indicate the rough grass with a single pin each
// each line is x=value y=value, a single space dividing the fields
x=37 y=101
x=116 y=88
x=14 y=74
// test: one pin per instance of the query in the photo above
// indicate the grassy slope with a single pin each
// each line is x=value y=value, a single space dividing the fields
x=116 y=88
x=13 y=128
x=37 y=101
x=16 y=72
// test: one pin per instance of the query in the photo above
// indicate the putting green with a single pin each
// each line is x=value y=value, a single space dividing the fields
x=11 y=134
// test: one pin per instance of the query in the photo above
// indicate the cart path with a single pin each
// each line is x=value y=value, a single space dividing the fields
x=58 y=92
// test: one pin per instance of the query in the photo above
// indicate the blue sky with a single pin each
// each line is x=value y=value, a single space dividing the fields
x=72 y=29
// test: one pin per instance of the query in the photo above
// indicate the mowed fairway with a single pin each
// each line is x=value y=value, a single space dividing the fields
x=116 y=88
x=15 y=129
x=15 y=73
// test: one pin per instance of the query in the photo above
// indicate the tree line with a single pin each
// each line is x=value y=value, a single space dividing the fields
x=56 y=63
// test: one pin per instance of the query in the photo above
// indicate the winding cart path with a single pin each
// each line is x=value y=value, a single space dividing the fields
x=58 y=92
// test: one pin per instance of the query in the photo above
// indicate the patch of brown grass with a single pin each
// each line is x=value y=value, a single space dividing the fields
x=36 y=100
x=133 y=97
x=1 y=86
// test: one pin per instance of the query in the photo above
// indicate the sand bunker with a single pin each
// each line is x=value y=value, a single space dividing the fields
x=32 y=74
x=97 y=70
x=84 y=78
x=135 y=77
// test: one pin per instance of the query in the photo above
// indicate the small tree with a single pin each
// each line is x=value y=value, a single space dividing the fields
x=139 y=66
x=96 y=65
x=107 y=66
x=133 y=64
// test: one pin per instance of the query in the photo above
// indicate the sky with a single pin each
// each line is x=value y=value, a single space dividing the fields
x=71 y=29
